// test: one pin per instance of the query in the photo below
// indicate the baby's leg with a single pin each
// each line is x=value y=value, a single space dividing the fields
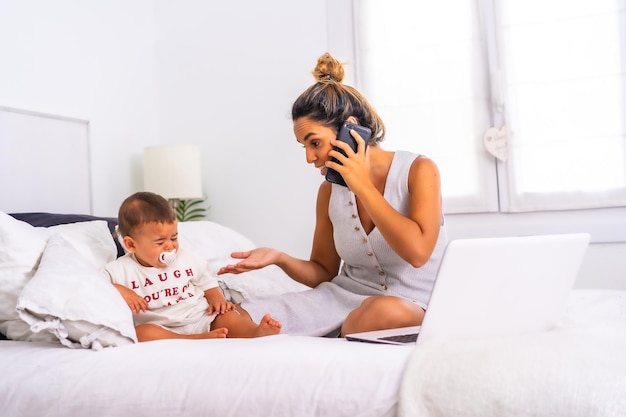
x=148 y=332
x=240 y=324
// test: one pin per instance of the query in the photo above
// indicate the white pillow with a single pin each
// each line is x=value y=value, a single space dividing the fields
x=21 y=247
x=215 y=243
x=71 y=298
x=211 y=240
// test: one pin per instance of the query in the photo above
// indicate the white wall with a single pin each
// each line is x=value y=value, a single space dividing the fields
x=228 y=74
x=219 y=75
x=222 y=75
x=91 y=60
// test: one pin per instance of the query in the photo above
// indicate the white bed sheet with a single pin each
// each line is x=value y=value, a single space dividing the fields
x=271 y=376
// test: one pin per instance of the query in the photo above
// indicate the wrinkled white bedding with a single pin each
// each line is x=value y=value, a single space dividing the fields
x=579 y=369
x=271 y=376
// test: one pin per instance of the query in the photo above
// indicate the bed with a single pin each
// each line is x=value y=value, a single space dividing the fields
x=72 y=349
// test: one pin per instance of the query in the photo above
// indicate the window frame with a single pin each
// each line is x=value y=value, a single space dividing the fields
x=605 y=225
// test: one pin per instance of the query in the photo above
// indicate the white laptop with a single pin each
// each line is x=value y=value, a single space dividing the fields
x=495 y=287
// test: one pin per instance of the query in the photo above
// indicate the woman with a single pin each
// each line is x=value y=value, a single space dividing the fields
x=386 y=226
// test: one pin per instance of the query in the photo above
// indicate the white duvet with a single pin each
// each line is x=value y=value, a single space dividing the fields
x=578 y=369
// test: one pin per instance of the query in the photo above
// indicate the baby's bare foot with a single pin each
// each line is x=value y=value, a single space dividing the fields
x=216 y=334
x=268 y=326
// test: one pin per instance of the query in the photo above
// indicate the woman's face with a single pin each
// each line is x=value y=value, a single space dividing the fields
x=315 y=138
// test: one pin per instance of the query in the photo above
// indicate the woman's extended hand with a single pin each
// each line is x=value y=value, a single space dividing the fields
x=253 y=259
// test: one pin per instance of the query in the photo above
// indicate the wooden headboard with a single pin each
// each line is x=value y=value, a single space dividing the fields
x=44 y=163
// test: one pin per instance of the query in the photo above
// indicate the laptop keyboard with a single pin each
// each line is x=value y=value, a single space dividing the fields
x=401 y=338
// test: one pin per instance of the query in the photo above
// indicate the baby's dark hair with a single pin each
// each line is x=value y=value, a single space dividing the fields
x=330 y=102
x=141 y=208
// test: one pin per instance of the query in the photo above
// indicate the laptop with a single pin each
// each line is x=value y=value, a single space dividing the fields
x=495 y=287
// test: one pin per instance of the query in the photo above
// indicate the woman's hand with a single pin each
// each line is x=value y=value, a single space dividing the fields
x=253 y=259
x=353 y=167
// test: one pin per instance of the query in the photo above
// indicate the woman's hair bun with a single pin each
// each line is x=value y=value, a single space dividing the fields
x=328 y=69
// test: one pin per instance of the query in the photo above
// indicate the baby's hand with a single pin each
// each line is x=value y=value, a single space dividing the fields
x=135 y=302
x=220 y=307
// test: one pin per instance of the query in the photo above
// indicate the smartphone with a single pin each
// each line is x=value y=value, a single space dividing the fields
x=345 y=136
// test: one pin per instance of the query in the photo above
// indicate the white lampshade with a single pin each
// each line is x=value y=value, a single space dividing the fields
x=173 y=171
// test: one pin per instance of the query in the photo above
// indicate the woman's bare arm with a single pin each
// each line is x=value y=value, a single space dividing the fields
x=412 y=237
x=321 y=267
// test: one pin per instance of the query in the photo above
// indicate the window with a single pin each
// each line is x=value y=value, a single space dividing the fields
x=548 y=76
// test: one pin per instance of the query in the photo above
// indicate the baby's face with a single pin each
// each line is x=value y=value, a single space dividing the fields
x=150 y=240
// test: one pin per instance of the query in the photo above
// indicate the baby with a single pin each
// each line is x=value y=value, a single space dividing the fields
x=170 y=290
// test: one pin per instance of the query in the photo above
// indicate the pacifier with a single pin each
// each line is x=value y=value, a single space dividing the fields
x=168 y=257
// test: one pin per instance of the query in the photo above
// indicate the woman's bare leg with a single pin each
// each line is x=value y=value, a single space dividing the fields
x=382 y=312
x=148 y=332
x=240 y=324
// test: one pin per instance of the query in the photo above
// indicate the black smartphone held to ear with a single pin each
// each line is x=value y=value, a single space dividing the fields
x=345 y=136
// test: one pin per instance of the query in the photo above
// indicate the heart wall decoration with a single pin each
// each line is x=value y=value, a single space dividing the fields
x=496 y=142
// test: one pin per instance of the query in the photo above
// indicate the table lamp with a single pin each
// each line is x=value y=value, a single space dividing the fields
x=173 y=171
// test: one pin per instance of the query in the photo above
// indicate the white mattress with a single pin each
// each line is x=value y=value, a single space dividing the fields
x=272 y=376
